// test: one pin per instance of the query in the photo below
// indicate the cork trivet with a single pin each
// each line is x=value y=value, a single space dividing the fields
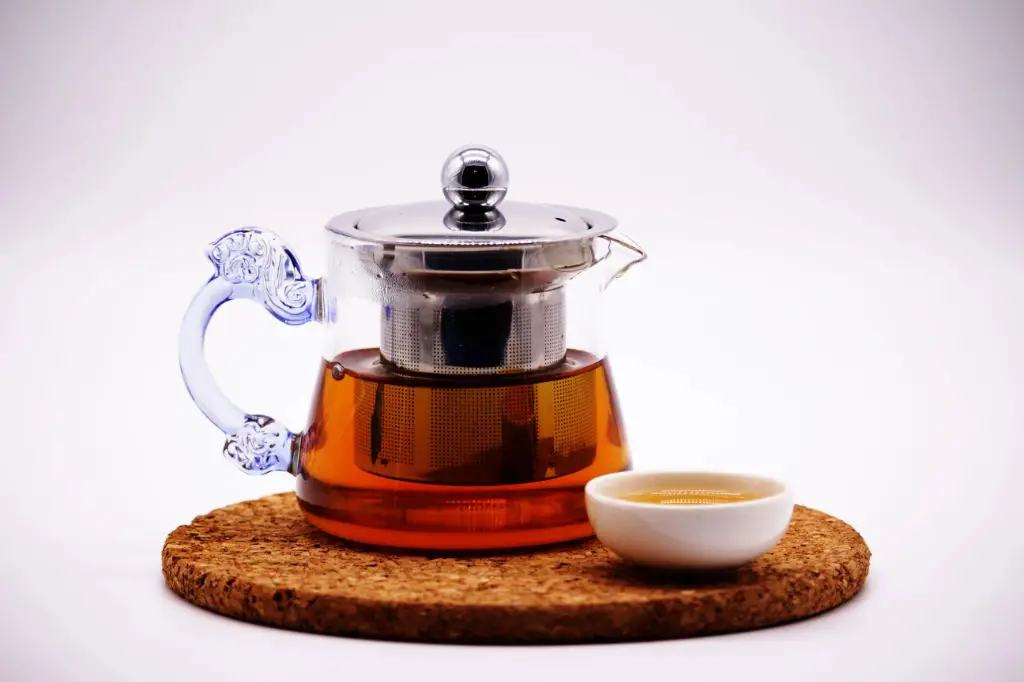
x=259 y=561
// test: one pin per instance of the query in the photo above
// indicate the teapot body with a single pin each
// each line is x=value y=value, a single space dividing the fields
x=464 y=399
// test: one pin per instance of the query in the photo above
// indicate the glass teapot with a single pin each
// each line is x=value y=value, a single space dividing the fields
x=464 y=399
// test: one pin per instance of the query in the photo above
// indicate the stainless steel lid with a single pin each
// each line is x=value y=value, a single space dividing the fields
x=474 y=180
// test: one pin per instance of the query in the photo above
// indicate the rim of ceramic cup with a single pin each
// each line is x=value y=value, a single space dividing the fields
x=595 y=485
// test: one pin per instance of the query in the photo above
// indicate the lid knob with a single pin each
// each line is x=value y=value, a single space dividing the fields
x=474 y=177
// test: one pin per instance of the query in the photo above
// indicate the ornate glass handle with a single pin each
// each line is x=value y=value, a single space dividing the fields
x=255 y=265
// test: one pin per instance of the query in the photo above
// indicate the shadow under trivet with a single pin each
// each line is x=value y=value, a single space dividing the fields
x=259 y=561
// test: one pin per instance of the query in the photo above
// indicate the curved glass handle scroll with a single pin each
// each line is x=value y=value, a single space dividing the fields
x=256 y=265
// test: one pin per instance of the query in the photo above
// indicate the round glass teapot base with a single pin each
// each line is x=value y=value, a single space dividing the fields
x=446 y=540
x=411 y=516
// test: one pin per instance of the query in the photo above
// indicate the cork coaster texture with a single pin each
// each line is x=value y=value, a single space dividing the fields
x=259 y=561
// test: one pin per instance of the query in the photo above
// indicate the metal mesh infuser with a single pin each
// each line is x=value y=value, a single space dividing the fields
x=453 y=335
x=479 y=436
x=474 y=285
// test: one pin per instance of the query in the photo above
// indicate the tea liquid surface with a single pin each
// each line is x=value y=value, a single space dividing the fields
x=460 y=462
x=691 y=496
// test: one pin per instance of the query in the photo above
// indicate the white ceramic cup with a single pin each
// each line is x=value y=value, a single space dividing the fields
x=696 y=537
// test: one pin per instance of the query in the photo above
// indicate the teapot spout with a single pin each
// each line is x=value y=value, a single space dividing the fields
x=623 y=253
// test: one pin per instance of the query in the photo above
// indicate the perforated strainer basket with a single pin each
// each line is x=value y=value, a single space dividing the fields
x=474 y=285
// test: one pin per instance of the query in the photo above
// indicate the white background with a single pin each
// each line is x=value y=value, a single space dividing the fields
x=832 y=194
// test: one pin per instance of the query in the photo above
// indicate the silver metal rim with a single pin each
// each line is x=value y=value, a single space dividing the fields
x=346 y=225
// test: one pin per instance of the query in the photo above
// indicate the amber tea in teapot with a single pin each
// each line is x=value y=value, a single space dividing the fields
x=464 y=399
x=531 y=440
